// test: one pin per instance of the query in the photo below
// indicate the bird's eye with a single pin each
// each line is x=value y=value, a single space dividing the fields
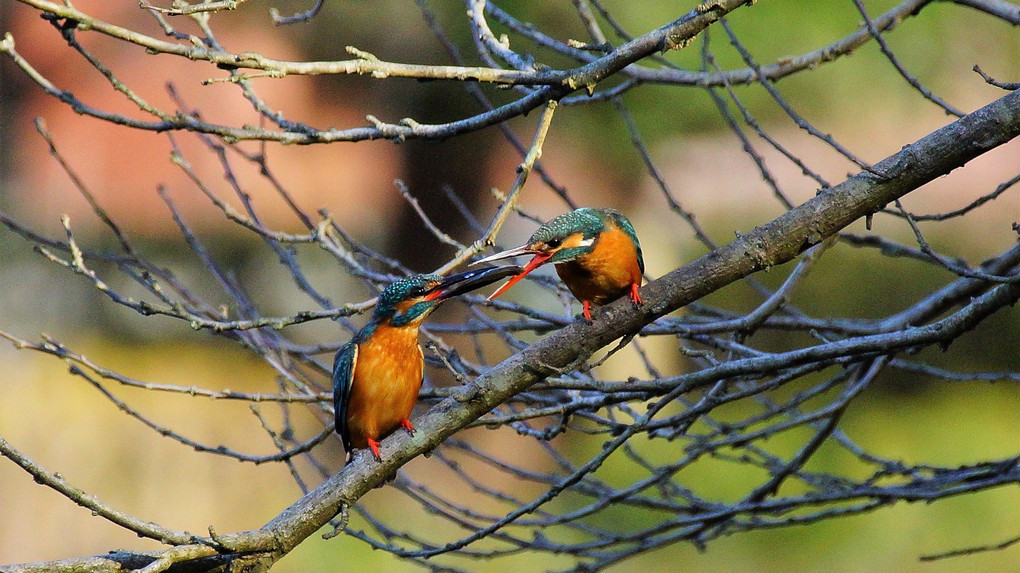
x=553 y=243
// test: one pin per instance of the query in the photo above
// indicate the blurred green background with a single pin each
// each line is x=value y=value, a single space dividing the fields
x=67 y=426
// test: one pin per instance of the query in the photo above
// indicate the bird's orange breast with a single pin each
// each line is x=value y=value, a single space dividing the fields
x=607 y=272
x=387 y=379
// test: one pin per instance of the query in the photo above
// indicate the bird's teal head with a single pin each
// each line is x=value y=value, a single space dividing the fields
x=569 y=236
x=566 y=238
x=408 y=301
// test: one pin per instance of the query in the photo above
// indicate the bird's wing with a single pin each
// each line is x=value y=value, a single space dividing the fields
x=343 y=378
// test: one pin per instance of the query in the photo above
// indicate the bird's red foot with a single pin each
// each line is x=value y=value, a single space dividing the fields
x=406 y=424
x=374 y=446
x=587 y=311
x=635 y=297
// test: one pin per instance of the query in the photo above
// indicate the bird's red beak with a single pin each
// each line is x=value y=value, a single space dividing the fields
x=538 y=260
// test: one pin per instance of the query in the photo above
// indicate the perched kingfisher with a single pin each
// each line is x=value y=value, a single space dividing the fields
x=377 y=375
x=596 y=253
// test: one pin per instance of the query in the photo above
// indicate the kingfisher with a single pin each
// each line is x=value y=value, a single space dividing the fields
x=596 y=253
x=377 y=375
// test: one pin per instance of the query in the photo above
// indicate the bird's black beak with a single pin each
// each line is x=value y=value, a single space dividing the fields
x=514 y=252
x=455 y=285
